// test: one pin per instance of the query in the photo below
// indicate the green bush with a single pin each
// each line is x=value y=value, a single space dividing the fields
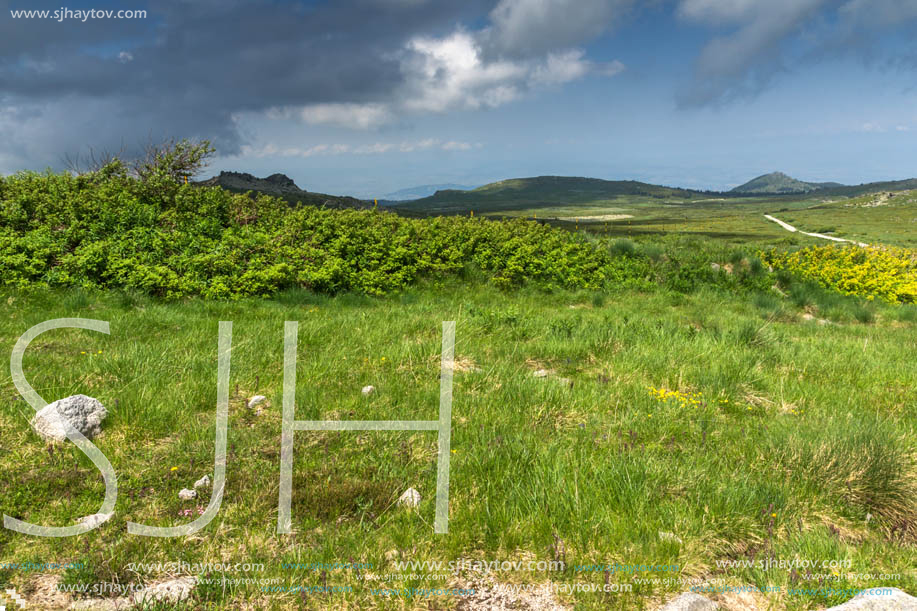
x=152 y=234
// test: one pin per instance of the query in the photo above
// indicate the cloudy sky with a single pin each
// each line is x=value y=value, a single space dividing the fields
x=368 y=96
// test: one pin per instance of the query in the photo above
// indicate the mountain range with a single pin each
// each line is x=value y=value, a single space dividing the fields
x=542 y=191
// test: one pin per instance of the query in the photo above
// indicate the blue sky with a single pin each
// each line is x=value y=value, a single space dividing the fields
x=365 y=97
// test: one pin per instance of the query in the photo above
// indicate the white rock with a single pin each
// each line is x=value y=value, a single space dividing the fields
x=410 y=498
x=85 y=414
x=256 y=401
x=204 y=482
x=187 y=495
x=101 y=604
x=541 y=373
x=690 y=601
x=95 y=519
x=368 y=390
x=892 y=599
x=169 y=592
x=715 y=267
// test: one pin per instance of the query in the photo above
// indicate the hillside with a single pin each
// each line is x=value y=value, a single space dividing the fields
x=778 y=183
x=870 y=187
x=539 y=192
x=281 y=186
x=422 y=191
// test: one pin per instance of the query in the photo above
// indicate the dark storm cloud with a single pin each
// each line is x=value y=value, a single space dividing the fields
x=189 y=67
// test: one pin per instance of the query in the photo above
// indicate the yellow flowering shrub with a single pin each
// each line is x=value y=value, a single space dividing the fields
x=872 y=272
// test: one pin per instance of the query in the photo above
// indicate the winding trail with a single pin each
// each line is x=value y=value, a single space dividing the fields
x=789 y=227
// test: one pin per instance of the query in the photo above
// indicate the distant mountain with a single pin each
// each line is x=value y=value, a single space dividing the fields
x=778 y=183
x=869 y=187
x=541 y=191
x=423 y=191
x=281 y=186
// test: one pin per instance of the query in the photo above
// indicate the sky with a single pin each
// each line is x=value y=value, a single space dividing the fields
x=365 y=97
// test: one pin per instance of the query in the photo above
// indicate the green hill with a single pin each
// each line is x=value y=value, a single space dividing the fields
x=778 y=183
x=870 y=187
x=540 y=192
x=279 y=185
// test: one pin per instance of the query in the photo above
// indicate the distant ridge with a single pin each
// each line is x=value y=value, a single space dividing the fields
x=281 y=186
x=778 y=183
x=423 y=191
x=539 y=191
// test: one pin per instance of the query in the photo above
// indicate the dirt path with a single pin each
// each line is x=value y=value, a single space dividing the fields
x=789 y=227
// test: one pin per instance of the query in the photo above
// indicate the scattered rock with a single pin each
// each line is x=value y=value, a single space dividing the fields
x=715 y=267
x=85 y=414
x=256 y=401
x=489 y=594
x=410 y=498
x=168 y=592
x=821 y=321
x=891 y=599
x=187 y=495
x=541 y=373
x=95 y=519
x=101 y=604
x=204 y=482
x=368 y=390
x=690 y=601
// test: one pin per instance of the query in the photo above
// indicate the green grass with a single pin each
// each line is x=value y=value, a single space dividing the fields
x=801 y=432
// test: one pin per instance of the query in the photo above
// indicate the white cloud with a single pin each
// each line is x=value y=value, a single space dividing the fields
x=452 y=73
x=902 y=128
x=456 y=146
x=870 y=126
x=356 y=116
x=718 y=10
x=125 y=57
x=449 y=73
x=376 y=148
x=878 y=12
x=532 y=27
x=561 y=68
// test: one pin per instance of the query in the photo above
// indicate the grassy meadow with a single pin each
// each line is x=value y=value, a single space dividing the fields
x=666 y=400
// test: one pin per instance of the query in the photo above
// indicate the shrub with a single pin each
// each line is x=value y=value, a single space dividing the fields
x=155 y=235
x=871 y=272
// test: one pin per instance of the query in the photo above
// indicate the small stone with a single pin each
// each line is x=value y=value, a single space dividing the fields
x=84 y=414
x=187 y=495
x=410 y=498
x=541 y=373
x=204 y=482
x=168 y=592
x=885 y=600
x=368 y=390
x=256 y=401
x=715 y=267
x=95 y=519
x=690 y=601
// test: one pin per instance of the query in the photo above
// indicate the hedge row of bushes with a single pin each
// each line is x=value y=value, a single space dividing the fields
x=109 y=229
